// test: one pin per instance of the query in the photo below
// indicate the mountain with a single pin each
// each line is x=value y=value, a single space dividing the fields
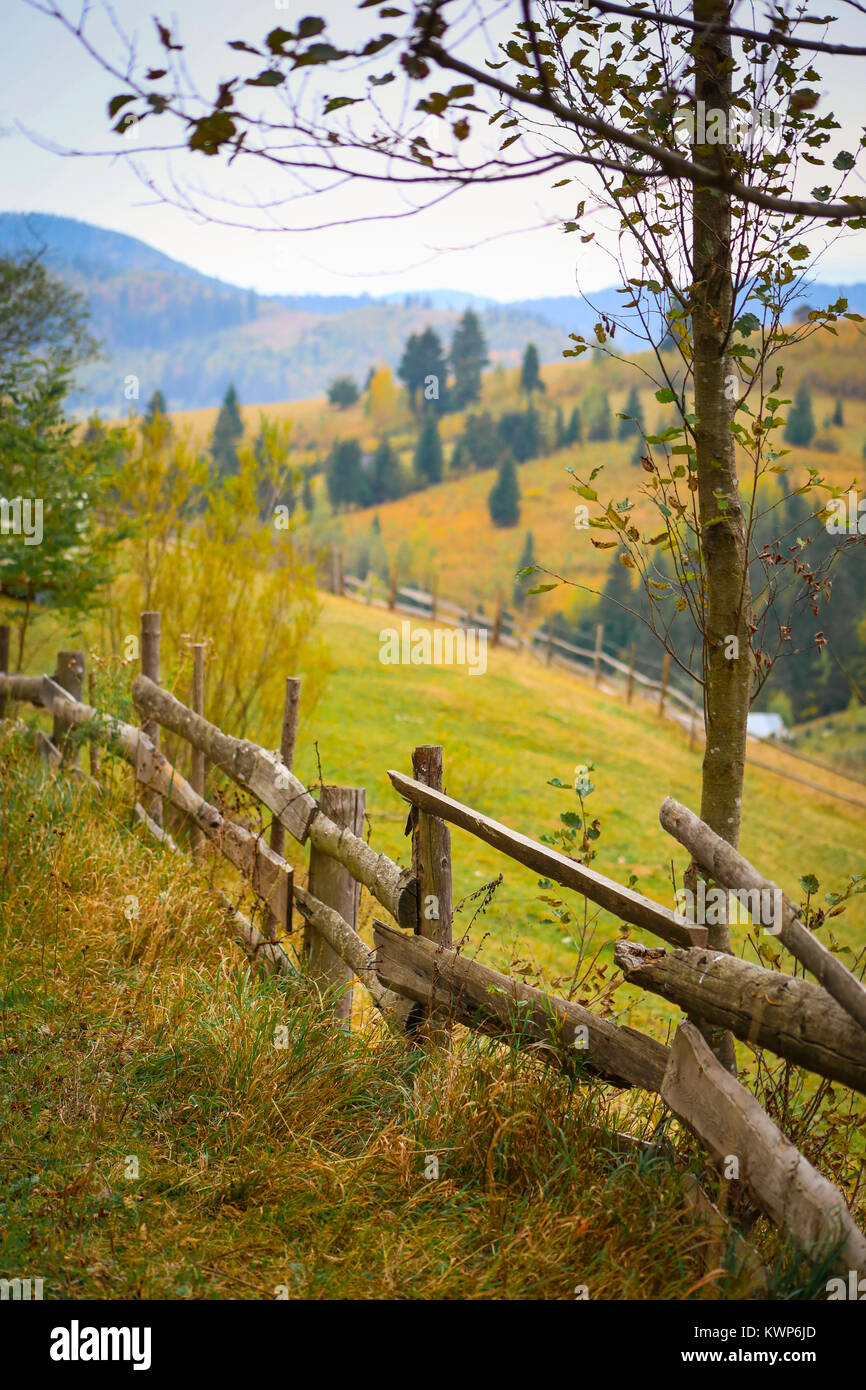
x=190 y=335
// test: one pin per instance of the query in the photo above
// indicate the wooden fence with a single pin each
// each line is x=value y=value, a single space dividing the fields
x=422 y=985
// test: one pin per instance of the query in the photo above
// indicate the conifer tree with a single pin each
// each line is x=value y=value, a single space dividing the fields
x=503 y=500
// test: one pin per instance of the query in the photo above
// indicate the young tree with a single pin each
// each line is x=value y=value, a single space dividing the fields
x=40 y=315
x=155 y=406
x=530 y=371
x=503 y=500
x=343 y=392
x=428 y=450
x=481 y=443
x=574 y=432
x=467 y=358
x=424 y=370
x=597 y=424
x=386 y=476
x=838 y=417
x=227 y=434
x=345 y=479
x=800 y=425
x=58 y=545
x=634 y=425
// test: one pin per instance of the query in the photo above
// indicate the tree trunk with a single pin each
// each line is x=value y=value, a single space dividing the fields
x=727 y=665
x=723 y=538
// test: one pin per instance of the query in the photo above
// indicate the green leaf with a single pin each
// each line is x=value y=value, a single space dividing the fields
x=310 y=26
x=334 y=103
x=809 y=884
x=269 y=78
x=800 y=252
x=117 y=103
x=541 y=589
x=843 y=160
x=666 y=396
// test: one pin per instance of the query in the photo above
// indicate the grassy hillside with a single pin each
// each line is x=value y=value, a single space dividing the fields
x=160 y=1145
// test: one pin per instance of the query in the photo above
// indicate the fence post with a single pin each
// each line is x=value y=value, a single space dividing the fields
x=666 y=665
x=431 y=865
x=150 y=634
x=497 y=620
x=392 y=589
x=4 y=664
x=434 y=597
x=596 y=668
x=630 y=688
x=94 y=742
x=277 y=841
x=335 y=886
x=549 y=653
x=70 y=676
x=198 y=767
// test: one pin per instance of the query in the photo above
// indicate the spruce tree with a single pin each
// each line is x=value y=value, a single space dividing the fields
x=633 y=425
x=838 y=418
x=424 y=370
x=503 y=500
x=800 y=426
x=574 y=433
x=345 y=478
x=468 y=357
x=530 y=374
x=428 y=451
x=386 y=477
x=227 y=434
x=155 y=406
x=596 y=414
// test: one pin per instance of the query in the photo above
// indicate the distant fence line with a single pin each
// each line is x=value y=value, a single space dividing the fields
x=543 y=644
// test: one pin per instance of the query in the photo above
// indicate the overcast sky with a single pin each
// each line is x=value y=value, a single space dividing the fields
x=502 y=242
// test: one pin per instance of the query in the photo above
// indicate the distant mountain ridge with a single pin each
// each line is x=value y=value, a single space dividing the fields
x=190 y=334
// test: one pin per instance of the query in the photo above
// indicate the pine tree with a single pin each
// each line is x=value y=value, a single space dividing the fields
x=503 y=500
x=558 y=427
x=428 y=451
x=345 y=478
x=468 y=357
x=800 y=426
x=574 y=433
x=227 y=434
x=838 y=418
x=527 y=558
x=424 y=370
x=386 y=476
x=596 y=414
x=155 y=406
x=342 y=392
x=617 y=596
x=530 y=374
x=635 y=424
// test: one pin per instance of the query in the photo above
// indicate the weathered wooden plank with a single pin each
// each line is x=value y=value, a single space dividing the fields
x=263 y=774
x=729 y=1121
x=791 y=1016
x=333 y=885
x=728 y=868
x=622 y=902
x=494 y=1003
x=260 y=771
x=347 y=944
